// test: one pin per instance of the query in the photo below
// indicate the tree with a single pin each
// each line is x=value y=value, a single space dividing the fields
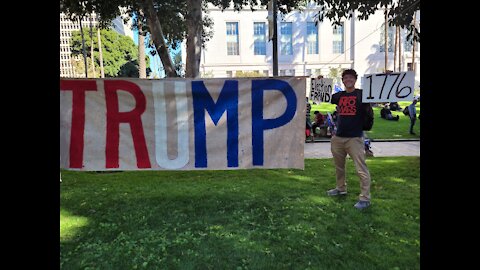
x=208 y=74
x=159 y=15
x=171 y=21
x=248 y=74
x=177 y=62
x=335 y=74
x=400 y=12
x=141 y=51
x=132 y=69
x=120 y=53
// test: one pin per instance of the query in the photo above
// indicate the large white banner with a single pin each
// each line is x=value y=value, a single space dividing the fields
x=388 y=87
x=182 y=124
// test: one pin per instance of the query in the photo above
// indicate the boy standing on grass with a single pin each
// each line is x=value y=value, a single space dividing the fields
x=349 y=138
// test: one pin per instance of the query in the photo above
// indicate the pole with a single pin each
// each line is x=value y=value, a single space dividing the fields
x=91 y=48
x=274 y=39
x=83 y=48
x=100 y=55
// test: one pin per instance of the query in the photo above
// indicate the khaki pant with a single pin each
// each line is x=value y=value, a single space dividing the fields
x=355 y=148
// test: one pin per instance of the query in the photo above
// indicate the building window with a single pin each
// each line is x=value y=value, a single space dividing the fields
x=407 y=43
x=265 y=72
x=287 y=72
x=391 y=36
x=232 y=38
x=229 y=74
x=409 y=67
x=259 y=45
x=312 y=38
x=286 y=38
x=338 y=38
x=308 y=72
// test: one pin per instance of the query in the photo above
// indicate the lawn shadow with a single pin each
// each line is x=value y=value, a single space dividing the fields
x=260 y=219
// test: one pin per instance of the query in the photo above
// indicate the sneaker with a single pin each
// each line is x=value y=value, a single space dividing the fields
x=336 y=192
x=362 y=205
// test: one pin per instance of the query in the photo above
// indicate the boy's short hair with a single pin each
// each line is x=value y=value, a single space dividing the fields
x=349 y=72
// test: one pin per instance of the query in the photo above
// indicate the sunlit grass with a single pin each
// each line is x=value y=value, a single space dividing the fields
x=398 y=180
x=70 y=225
x=320 y=199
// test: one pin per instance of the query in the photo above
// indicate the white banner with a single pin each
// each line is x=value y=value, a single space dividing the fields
x=182 y=124
x=321 y=90
x=388 y=87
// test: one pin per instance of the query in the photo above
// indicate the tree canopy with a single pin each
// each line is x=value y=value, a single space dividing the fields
x=169 y=21
x=120 y=54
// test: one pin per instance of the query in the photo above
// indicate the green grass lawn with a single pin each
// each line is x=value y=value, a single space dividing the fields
x=383 y=129
x=241 y=219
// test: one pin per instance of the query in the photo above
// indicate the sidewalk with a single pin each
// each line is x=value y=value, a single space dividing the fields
x=379 y=149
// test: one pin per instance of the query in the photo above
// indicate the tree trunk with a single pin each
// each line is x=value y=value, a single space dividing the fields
x=400 y=51
x=386 y=39
x=395 y=50
x=72 y=63
x=142 y=72
x=413 y=47
x=158 y=38
x=194 y=37
x=100 y=53
x=83 y=47
x=91 y=48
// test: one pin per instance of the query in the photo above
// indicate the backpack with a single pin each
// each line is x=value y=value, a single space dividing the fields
x=405 y=111
x=368 y=118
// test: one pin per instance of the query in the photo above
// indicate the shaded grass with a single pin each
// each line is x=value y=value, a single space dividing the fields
x=383 y=129
x=241 y=219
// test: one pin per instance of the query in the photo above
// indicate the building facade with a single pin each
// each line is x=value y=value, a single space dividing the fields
x=66 y=29
x=305 y=48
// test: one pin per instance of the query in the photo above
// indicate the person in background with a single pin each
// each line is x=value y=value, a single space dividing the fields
x=394 y=106
x=308 y=125
x=368 y=148
x=412 y=113
x=385 y=113
x=320 y=125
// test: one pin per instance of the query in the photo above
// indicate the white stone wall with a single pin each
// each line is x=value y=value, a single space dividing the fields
x=361 y=46
x=368 y=58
